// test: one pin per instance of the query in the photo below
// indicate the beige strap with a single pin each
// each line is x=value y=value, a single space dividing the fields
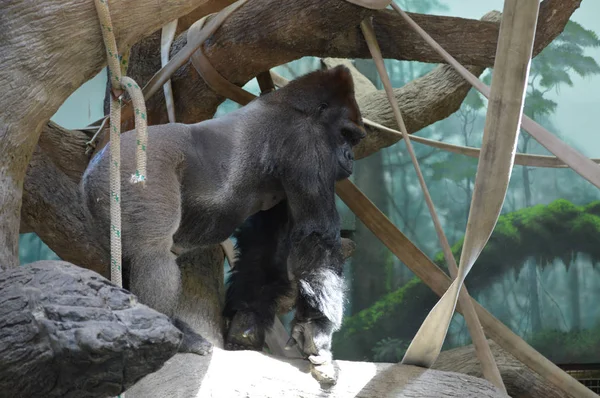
x=488 y=364
x=211 y=76
x=165 y=73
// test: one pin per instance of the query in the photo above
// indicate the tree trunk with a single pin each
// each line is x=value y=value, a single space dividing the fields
x=520 y=381
x=574 y=296
x=534 y=308
x=369 y=265
x=370 y=272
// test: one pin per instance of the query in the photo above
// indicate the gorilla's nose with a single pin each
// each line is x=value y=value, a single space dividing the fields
x=349 y=155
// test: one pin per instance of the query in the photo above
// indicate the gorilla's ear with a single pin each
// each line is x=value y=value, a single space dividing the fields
x=342 y=78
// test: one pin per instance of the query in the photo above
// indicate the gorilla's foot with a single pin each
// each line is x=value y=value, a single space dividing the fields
x=245 y=332
x=192 y=342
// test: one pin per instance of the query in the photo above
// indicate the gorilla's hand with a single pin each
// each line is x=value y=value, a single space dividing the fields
x=313 y=337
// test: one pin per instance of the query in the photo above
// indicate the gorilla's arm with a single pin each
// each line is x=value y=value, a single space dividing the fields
x=315 y=255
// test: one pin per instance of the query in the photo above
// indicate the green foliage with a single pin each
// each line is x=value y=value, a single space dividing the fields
x=389 y=350
x=398 y=314
x=554 y=65
x=558 y=230
x=580 y=346
x=368 y=318
x=575 y=33
x=454 y=168
x=536 y=105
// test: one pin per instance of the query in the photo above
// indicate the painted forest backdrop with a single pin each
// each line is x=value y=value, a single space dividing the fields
x=539 y=272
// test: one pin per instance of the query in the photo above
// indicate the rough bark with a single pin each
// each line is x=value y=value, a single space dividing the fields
x=67 y=332
x=252 y=374
x=520 y=381
x=52 y=204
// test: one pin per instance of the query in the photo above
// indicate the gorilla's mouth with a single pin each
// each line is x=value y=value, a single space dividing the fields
x=346 y=168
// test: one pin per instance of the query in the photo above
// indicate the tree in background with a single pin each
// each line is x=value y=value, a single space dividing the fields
x=374 y=271
x=553 y=68
x=450 y=179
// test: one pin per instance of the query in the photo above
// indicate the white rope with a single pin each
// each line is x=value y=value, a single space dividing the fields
x=117 y=66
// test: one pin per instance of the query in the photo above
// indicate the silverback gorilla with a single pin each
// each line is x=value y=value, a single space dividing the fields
x=267 y=172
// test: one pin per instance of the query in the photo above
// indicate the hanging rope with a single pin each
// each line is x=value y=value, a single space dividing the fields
x=182 y=56
x=117 y=66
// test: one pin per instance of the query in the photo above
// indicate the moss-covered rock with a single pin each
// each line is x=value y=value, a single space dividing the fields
x=397 y=314
x=558 y=230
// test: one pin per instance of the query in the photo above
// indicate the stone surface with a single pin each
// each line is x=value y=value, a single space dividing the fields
x=68 y=332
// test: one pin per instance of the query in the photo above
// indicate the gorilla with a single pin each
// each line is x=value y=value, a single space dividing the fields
x=265 y=172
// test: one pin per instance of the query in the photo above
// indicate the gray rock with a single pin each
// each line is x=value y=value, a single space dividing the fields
x=66 y=331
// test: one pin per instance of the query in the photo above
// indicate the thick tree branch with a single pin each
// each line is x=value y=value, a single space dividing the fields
x=52 y=204
x=470 y=41
x=326 y=28
x=520 y=380
x=41 y=65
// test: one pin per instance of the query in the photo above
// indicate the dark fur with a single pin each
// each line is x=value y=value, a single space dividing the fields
x=288 y=147
x=259 y=280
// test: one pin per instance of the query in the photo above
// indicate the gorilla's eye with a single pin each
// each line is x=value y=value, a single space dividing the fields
x=350 y=137
x=323 y=106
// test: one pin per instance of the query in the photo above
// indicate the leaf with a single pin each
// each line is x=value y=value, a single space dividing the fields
x=576 y=33
x=536 y=105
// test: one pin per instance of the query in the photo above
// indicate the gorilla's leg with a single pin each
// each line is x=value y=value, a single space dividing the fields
x=154 y=275
x=156 y=280
x=259 y=281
